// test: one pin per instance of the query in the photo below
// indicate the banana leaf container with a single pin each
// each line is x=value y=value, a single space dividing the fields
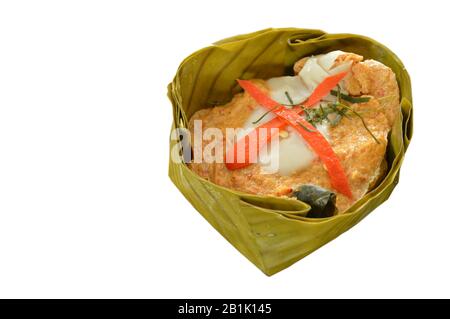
x=273 y=233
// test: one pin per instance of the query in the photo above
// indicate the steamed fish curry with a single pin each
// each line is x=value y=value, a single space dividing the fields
x=331 y=121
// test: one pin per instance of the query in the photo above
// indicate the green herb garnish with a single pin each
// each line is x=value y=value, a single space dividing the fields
x=316 y=116
x=289 y=97
x=348 y=98
x=264 y=115
x=305 y=128
x=343 y=108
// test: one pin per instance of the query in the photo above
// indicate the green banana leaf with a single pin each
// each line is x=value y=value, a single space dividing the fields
x=274 y=233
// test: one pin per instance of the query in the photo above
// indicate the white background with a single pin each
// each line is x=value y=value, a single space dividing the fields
x=86 y=206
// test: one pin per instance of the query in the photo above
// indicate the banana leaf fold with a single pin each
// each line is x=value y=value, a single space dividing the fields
x=273 y=233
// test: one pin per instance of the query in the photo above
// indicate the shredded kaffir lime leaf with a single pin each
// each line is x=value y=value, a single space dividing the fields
x=350 y=99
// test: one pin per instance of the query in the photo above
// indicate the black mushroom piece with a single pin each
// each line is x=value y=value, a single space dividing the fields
x=322 y=201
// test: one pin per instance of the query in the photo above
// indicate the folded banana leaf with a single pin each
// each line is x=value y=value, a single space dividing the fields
x=274 y=233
